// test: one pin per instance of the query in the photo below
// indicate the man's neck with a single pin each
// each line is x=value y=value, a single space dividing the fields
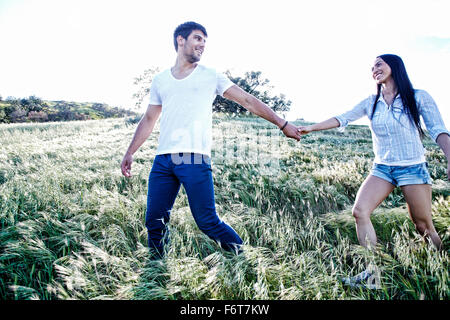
x=182 y=68
x=183 y=64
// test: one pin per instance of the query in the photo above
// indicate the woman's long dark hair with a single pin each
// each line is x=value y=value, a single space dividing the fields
x=404 y=87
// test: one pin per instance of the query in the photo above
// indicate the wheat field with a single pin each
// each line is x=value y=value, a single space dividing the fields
x=72 y=227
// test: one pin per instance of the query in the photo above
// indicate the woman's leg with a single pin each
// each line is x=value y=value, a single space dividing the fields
x=371 y=193
x=418 y=198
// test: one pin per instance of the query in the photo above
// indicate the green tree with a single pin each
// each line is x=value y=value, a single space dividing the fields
x=253 y=83
x=3 y=118
x=144 y=82
x=33 y=103
x=11 y=109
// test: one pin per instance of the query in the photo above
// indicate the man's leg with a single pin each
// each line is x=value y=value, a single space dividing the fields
x=163 y=187
x=197 y=181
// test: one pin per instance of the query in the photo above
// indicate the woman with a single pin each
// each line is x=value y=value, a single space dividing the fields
x=394 y=114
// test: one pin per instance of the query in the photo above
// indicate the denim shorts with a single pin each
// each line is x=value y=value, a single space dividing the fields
x=402 y=175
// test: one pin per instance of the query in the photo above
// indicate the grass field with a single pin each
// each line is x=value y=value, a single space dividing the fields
x=72 y=227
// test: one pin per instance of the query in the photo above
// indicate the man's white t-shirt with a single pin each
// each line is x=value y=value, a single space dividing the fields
x=186 y=117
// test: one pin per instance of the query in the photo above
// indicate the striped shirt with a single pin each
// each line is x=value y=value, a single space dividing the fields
x=396 y=140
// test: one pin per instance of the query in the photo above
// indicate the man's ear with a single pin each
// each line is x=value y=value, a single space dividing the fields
x=180 y=41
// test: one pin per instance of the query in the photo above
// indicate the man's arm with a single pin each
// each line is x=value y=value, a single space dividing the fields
x=143 y=131
x=443 y=140
x=256 y=106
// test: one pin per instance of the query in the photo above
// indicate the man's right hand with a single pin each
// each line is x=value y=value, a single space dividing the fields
x=126 y=165
x=291 y=131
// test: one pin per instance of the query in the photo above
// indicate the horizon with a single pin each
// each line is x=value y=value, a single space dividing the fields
x=318 y=54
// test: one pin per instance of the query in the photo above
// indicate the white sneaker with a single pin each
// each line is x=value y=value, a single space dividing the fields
x=365 y=279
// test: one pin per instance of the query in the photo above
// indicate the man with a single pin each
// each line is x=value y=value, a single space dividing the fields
x=183 y=96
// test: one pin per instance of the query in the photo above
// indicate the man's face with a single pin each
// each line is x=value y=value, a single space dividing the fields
x=193 y=46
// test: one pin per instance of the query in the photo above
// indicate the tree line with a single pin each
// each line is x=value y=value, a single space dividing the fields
x=252 y=82
x=34 y=109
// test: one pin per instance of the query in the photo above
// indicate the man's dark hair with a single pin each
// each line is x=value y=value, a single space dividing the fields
x=185 y=30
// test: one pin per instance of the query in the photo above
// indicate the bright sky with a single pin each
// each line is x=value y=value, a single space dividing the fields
x=318 y=53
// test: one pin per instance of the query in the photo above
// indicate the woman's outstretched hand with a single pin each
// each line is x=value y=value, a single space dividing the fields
x=304 y=129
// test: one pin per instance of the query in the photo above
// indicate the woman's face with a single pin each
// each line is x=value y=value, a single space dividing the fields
x=381 y=71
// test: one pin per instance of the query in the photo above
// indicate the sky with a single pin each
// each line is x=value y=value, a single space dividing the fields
x=317 y=53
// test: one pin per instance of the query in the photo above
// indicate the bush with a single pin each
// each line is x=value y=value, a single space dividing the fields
x=37 y=116
x=18 y=115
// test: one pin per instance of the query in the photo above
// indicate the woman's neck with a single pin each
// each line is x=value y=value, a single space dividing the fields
x=389 y=88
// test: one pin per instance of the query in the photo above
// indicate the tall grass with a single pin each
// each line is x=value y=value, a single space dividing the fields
x=73 y=228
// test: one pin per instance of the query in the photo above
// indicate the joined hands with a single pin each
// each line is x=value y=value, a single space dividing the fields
x=295 y=132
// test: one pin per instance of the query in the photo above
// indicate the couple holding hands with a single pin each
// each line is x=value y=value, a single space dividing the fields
x=183 y=97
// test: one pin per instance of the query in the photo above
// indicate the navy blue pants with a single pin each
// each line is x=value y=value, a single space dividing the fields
x=169 y=171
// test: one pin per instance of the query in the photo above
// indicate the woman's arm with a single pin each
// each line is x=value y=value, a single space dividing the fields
x=443 y=140
x=324 y=125
x=434 y=123
x=358 y=111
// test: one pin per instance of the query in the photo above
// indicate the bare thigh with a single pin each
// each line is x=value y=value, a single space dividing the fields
x=371 y=193
x=418 y=198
